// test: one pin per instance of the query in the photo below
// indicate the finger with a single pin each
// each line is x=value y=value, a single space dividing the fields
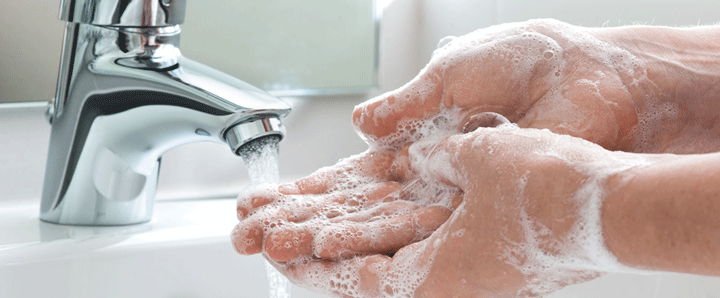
x=291 y=242
x=255 y=197
x=382 y=211
x=449 y=160
x=248 y=235
x=381 y=192
x=356 y=277
x=388 y=113
x=401 y=169
x=341 y=203
x=383 y=236
x=317 y=183
x=371 y=166
x=294 y=241
x=426 y=194
x=247 y=238
x=365 y=276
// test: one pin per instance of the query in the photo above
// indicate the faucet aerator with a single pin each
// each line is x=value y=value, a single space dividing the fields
x=243 y=133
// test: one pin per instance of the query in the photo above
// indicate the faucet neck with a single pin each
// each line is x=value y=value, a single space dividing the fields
x=136 y=48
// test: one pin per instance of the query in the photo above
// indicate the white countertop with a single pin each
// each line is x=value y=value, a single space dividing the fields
x=185 y=251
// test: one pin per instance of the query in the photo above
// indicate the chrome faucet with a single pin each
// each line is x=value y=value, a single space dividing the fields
x=125 y=95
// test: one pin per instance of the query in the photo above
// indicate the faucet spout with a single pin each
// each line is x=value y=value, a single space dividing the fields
x=125 y=96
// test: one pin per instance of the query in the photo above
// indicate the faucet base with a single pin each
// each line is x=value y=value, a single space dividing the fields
x=117 y=196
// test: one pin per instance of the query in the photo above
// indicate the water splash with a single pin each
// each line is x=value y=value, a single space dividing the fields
x=279 y=285
x=261 y=160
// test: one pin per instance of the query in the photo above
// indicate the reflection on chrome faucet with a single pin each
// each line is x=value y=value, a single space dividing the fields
x=125 y=95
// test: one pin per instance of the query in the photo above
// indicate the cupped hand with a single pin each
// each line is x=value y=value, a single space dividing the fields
x=528 y=224
x=537 y=74
x=369 y=203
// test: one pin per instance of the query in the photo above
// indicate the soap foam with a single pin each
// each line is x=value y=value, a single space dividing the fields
x=398 y=277
x=653 y=120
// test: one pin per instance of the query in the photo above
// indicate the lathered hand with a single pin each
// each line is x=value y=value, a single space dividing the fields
x=528 y=224
x=595 y=84
x=365 y=204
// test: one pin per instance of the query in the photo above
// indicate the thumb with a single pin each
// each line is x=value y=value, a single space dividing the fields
x=443 y=161
x=390 y=113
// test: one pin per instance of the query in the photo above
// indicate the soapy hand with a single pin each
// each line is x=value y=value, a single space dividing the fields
x=539 y=74
x=529 y=223
x=362 y=199
x=496 y=226
x=376 y=203
x=530 y=74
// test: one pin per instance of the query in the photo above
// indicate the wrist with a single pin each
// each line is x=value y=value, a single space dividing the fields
x=663 y=216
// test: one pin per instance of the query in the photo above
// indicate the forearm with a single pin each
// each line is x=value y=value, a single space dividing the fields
x=674 y=84
x=666 y=216
x=679 y=62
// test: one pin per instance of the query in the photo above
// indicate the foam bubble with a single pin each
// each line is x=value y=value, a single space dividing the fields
x=652 y=120
x=445 y=41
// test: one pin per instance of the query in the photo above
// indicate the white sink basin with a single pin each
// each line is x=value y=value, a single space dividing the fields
x=184 y=251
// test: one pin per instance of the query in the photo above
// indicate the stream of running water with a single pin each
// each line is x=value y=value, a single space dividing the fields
x=261 y=160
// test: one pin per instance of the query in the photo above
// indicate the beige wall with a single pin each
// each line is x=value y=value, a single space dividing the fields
x=31 y=34
x=30 y=42
x=31 y=37
x=441 y=18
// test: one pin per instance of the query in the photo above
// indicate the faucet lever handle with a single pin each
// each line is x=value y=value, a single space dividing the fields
x=124 y=13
